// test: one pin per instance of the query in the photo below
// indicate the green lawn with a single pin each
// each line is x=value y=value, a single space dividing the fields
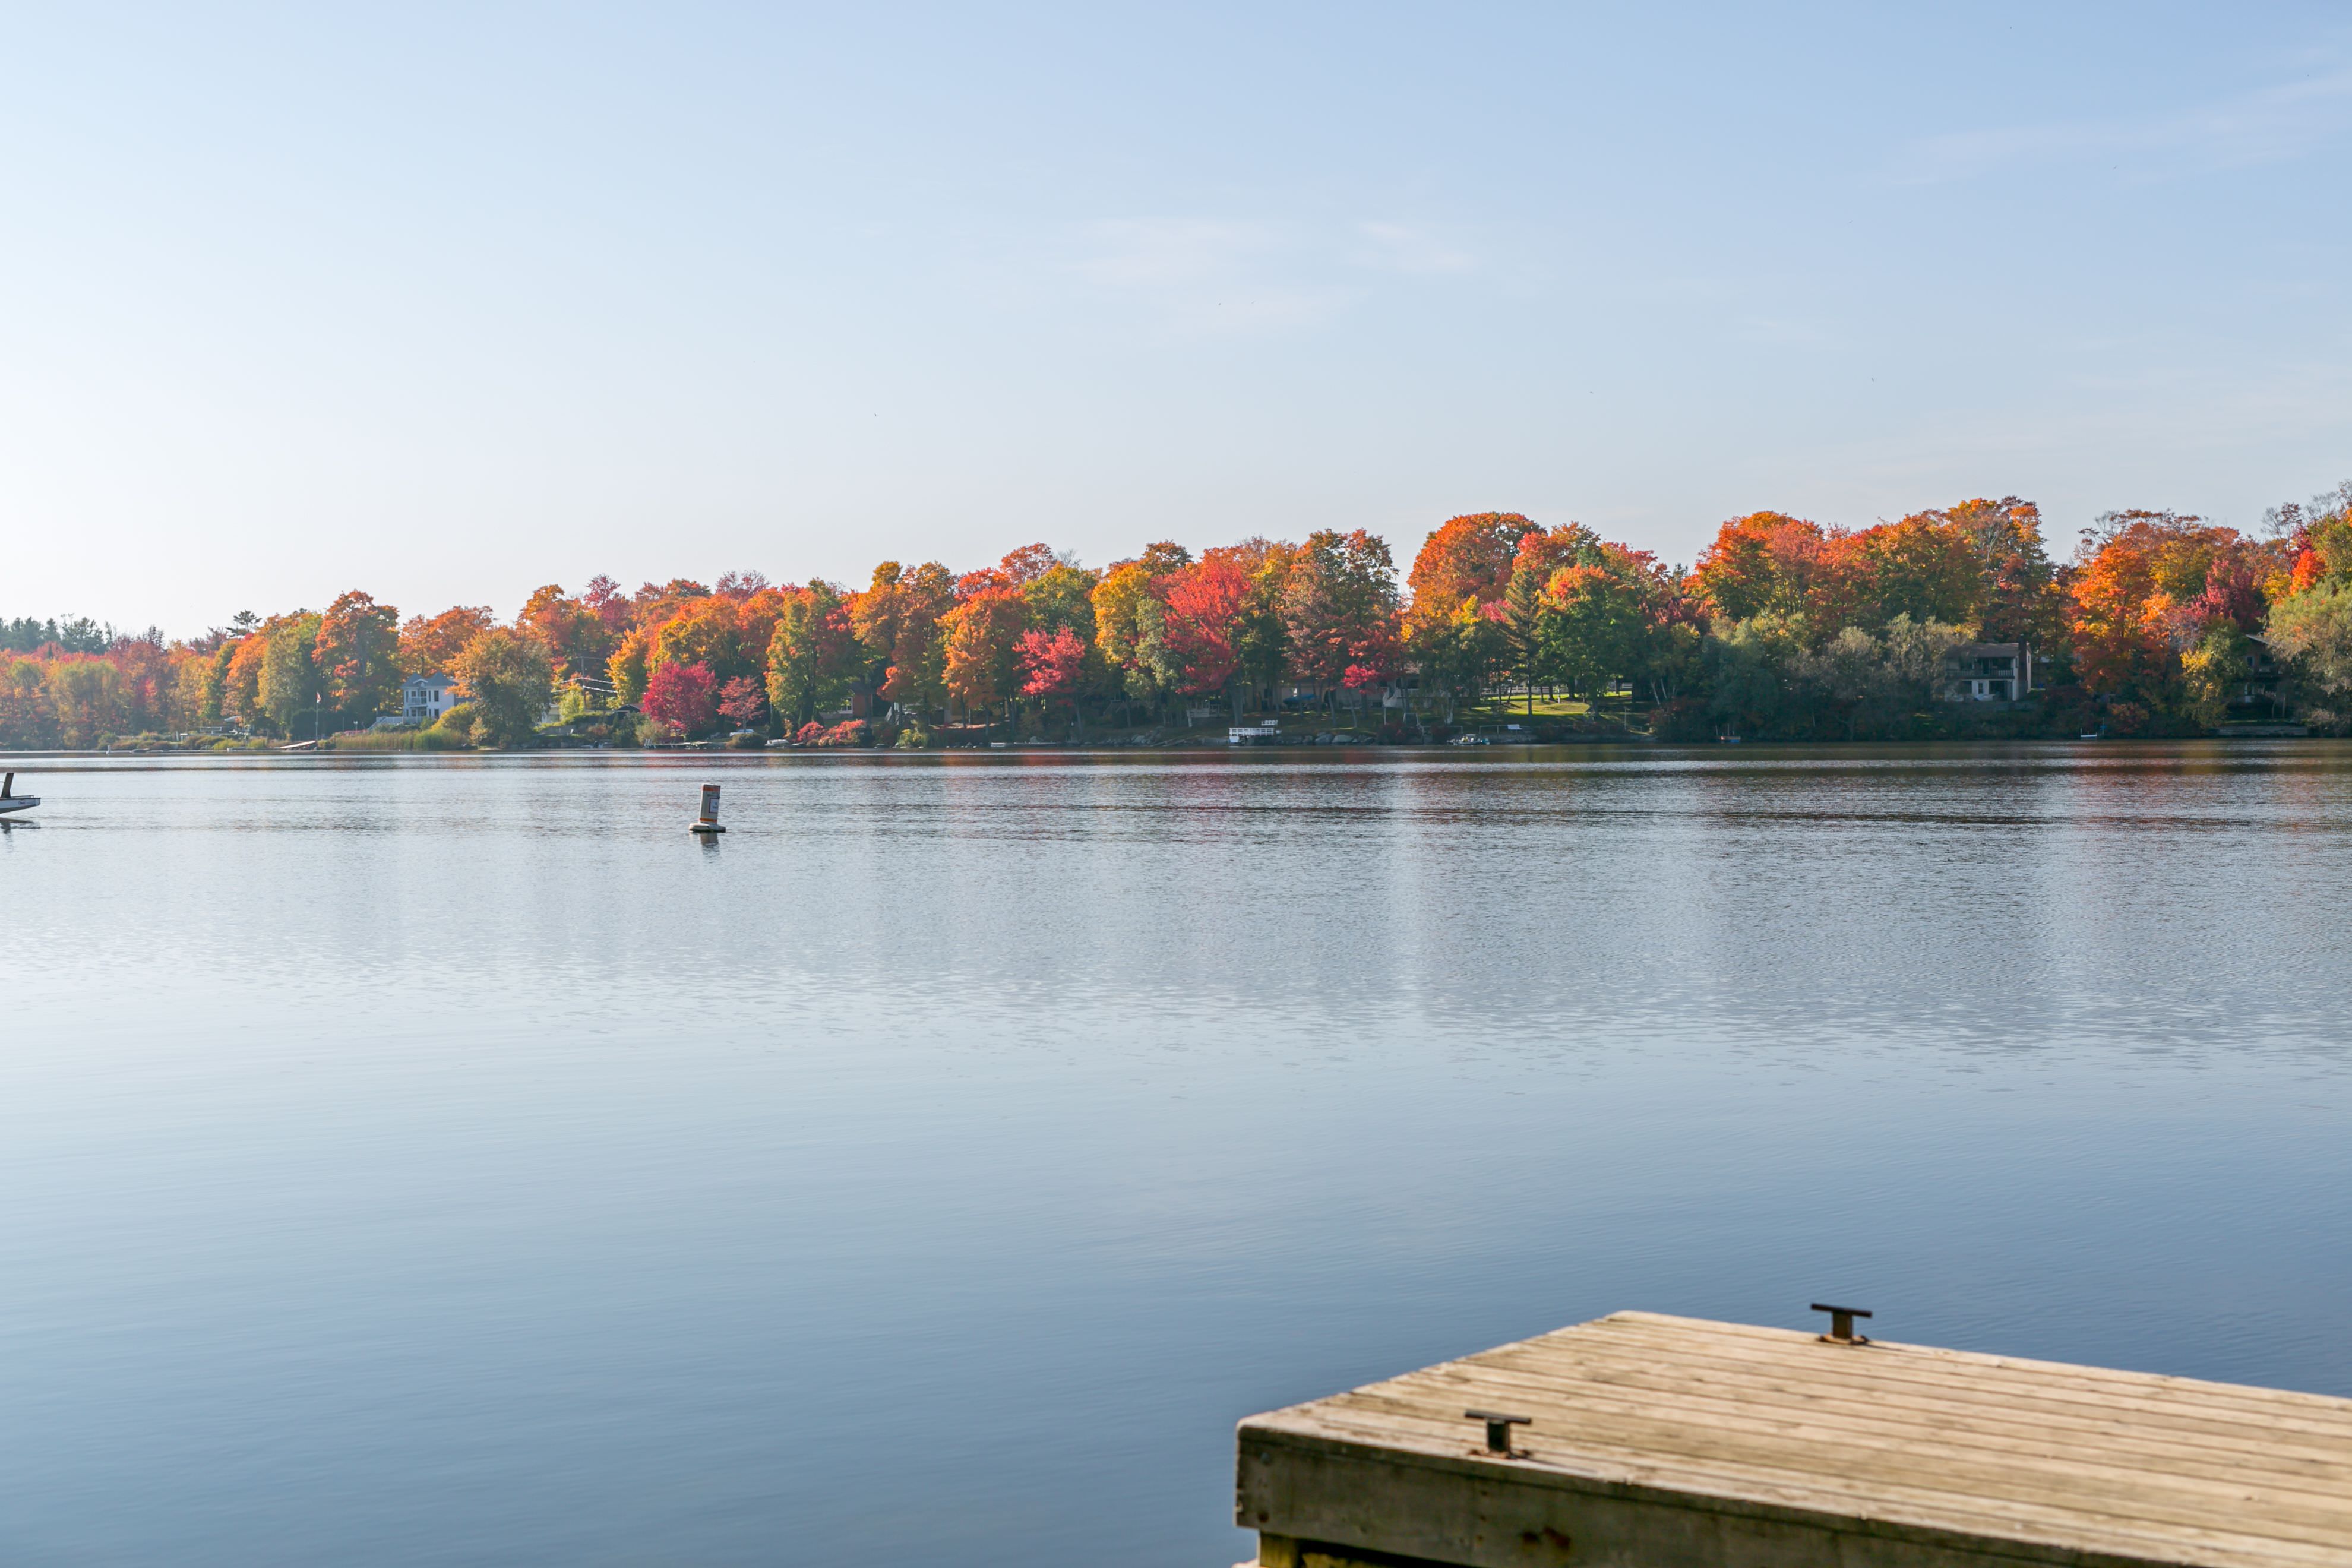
x=1502 y=710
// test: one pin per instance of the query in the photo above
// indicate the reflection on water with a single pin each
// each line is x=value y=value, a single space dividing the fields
x=450 y=1159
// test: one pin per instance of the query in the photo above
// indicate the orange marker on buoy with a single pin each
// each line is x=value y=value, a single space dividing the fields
x=708 y=821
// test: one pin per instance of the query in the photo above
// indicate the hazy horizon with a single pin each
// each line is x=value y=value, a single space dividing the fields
x=447 y=304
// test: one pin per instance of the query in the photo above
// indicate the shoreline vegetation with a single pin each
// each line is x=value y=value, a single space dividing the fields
x=2161 y=624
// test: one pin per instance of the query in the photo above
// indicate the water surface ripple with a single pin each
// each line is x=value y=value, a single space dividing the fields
x=449 y=1161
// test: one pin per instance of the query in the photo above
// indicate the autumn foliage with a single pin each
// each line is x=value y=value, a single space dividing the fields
x=2159 y=621
x=683 y=696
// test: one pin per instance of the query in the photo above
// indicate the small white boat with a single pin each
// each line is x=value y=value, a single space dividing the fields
x=11 y=801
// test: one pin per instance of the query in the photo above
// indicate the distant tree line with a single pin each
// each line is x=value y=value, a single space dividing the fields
x=72 y=634
x=2160 y=623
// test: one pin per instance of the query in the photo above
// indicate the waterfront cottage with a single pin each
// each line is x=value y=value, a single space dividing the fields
x=425 y=697
x=2257 y=693
x=1988 y=672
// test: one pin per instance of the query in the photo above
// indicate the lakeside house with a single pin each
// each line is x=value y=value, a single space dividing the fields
x=1988 y=672
x=425 y=697
x=2259 y=693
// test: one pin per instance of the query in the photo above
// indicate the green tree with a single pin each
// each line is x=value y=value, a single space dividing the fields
x=1457 y=653
x=812 y=654
x=1611 y=612
x=1874 y=682
x=1261 y=643
x=576 y=702
x=216 y=683
x=291 y=683
x=1520 y=626
x=1593 y=626
x=1062 y=595
x=510 y=676
x=2313 y=632
x=1751 y=669
x=2210 y=670
x=1529 y=658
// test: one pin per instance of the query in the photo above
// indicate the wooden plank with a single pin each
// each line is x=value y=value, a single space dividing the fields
x=2008 y=1534
x=1967 y=1409
x=2008 y=1529
x=1996 y=1419
x=1922 y=1466
x=1831 y=1435
x=1786 y=1482
x=1755 y=1342
x=1914 y=1369
x=1999 y=1420
x=1599 y=1418
x=1928 y=1371
x=1926 y=1465
x=1905 y=1374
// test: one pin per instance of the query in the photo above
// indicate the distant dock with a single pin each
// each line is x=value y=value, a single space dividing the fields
x=1644 y=1441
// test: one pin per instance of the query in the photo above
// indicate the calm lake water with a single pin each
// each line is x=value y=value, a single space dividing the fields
x=449 y=1161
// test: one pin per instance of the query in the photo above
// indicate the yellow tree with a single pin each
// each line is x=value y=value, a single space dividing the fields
x=982 y=641
x=626 y=667
x=1923 y=567
x=896 y=620
x=1130 y=620
x=195 y=700
x=28 y=714
x=704 y=631
x=91 y=702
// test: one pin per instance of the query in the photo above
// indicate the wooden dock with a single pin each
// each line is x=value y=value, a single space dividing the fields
x=1644 y=1441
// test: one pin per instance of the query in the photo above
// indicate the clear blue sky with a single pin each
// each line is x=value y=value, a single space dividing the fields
x=449 y=302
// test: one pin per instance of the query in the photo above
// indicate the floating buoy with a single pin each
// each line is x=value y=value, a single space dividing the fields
x=708 y=821
x=11 y=801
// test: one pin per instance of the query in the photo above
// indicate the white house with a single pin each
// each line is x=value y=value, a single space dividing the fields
x=425 y=697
